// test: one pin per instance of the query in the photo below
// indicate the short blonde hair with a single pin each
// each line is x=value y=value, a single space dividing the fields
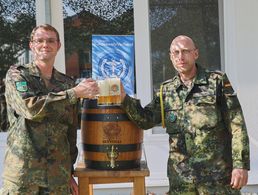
x=46 y=27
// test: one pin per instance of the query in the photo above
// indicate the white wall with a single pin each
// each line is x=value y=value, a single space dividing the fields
x=2 y=152
x=241 y=63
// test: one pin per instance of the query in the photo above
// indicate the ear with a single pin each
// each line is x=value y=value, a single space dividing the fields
x=31 y=45
x=59 y=45
x=196 y=54
x=170 y=57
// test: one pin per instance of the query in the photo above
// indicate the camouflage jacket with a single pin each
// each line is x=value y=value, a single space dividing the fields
x=41 y=144
x=3 y=113
x=205 y=123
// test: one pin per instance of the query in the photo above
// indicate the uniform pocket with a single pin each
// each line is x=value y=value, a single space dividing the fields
x=203 y=99
x=203 y=111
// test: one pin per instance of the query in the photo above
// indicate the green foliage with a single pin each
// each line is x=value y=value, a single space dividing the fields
x=80 y=27
x=197 y=19
x=17 y=18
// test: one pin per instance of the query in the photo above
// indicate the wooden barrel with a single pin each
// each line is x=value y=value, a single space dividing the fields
x=110 y=140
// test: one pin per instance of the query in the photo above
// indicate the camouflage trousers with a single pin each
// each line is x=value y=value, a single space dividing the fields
x=10 y=188
x=201 y=189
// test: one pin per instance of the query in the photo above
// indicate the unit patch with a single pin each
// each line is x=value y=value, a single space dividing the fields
x=21 y=86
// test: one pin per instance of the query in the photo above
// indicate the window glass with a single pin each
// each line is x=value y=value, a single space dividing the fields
x=17 y=19
x=195 y=18
x=84 y=18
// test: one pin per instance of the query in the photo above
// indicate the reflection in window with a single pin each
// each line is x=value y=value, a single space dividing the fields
x=82 y=19
x=197 y=19
x=17 y=19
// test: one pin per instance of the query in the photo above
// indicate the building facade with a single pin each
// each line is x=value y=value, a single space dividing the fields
x=238 y=46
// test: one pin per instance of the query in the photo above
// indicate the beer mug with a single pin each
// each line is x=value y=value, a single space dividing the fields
x=109 y=91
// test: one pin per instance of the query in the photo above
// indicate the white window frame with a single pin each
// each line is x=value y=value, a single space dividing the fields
x=51 y=12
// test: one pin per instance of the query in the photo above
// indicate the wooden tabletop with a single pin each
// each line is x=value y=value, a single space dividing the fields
x=81 y=170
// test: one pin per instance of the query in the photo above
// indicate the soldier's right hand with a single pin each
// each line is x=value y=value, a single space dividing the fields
x=87 y=88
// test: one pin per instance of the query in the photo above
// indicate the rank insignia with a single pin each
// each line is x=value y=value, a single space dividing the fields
x=21 y=86
x=172 y=117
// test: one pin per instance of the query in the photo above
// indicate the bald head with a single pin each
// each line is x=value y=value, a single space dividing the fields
x=182 y=40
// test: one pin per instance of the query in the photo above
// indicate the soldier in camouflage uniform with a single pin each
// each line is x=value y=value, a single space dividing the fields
x=42 y=111
x=209 y=145
x=3 y=113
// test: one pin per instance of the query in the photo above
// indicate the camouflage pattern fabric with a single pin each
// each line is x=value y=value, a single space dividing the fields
x=3 y=112
x=41 y=144
x=201 y=189
x=33 y=189
x=206 y=127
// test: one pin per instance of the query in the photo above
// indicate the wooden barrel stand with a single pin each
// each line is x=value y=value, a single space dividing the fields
x=87 y=177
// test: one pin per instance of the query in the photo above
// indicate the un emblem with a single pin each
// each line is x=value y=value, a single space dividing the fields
x=113 y=65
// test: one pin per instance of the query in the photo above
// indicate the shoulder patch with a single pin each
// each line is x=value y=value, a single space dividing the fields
x=21 y=86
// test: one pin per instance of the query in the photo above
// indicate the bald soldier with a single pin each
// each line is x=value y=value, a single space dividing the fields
x=208 y=140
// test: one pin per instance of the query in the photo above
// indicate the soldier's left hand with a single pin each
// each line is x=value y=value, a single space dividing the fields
x=239 y=178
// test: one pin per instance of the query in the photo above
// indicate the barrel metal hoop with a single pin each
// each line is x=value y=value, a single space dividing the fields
x=107 y=147
x=105 y=117
x=92 y=104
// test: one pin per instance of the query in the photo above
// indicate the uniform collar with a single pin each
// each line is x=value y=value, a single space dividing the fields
x=34 y=71
x=200 y=78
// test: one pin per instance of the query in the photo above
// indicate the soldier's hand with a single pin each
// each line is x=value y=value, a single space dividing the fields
x=87 y=88
x=239 y=178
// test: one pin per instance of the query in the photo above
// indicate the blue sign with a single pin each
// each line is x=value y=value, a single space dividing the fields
x=113 y=56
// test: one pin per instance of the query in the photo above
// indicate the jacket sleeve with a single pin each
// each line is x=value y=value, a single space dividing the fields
x=31 y=103
x=3 y=112
x=72 y=137
x=146 y=117
x=234 y=119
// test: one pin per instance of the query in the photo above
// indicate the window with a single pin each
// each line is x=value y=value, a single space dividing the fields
x=17 y=19
x=197 y=19
x=82 y=19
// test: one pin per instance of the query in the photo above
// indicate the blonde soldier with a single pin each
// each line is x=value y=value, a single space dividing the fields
x=209 y=145
x=41 y=105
